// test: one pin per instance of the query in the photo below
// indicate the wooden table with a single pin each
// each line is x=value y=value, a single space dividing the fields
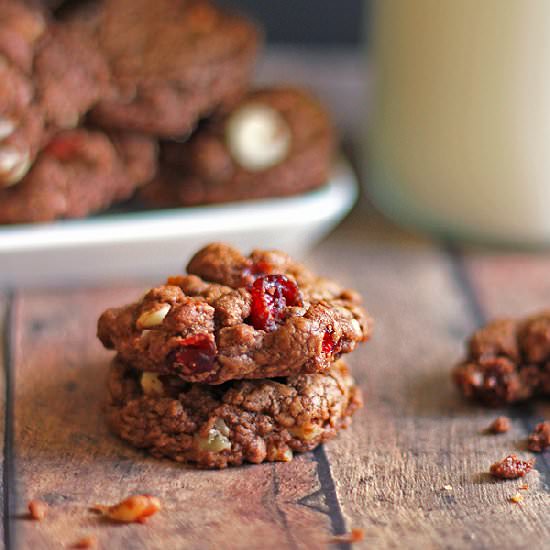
x=386 y=475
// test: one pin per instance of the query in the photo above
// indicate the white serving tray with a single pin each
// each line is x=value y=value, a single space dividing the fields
x=139 y=245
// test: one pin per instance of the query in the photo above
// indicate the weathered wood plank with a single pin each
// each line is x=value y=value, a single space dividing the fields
x=4 y=366
x=65 y=455
x=513 y=284
x=417 y=435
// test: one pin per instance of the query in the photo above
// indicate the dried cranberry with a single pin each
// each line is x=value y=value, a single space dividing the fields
x=330 y=344
x=270 y=295
x=64 y=148
x=195 y=354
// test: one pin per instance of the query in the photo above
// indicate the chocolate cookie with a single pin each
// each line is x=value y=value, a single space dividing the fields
x=507 y=361
x=235 y=317
x=79 y=172
x=241 y=421
x=275 y=142
x=172 y=64
x=49 y=77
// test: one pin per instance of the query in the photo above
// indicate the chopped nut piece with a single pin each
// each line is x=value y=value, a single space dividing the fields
x=85 y=542
x=539 y=439
x=135 y=508
x=517 y=498
x=151 y=384
x=499 y=426
x=307 y=432
x=37 y=509
x=14 y=164
x=356 y=535
x=217 y=440
x=511 y=467
x=149 y=319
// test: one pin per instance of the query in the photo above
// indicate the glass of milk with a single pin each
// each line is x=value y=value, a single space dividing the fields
x=459 y=141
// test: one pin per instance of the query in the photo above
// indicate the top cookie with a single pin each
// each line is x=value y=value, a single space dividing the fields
x=235 y=317
x=171 y=64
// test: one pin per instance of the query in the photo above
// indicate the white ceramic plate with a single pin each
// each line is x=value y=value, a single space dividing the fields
x=153 y=243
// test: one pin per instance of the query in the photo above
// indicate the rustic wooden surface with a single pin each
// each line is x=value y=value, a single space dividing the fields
x=385 y=475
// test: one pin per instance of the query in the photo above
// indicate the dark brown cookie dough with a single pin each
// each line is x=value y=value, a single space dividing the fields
x=172 y=64
x=235 y=317
x=539 y=439
x=49 y=77
x=275 y=142
x=507 y=361
x=77 y=173
x=241 y=421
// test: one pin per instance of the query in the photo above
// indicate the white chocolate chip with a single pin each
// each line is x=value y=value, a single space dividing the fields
x=258 y=137
x=13 y=165
x=151 y=384
x=217 y=440
x=356 y=326
x=153 y=318
x=7 y=127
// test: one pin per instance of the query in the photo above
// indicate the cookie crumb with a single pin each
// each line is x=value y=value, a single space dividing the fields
x=134 y=509
x=511 y=467
x=539 y=439
x=447 y=487
x=86 y=542
x=37 y=509
x=355 y=535
x=516 y=499
x=499 y=425
x=524 y=487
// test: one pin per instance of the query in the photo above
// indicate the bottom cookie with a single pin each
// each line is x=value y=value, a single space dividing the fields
x=236 y=422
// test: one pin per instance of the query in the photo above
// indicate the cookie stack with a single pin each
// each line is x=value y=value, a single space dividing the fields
x=127 y=96
x=237 y=361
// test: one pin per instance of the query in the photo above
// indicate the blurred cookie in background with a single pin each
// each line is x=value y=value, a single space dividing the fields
x=50 y=76
x=79 y=172
x=274 y=142
x=172 y=64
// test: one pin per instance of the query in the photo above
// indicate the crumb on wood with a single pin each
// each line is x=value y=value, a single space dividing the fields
x=511 y=467
x=355 y=535
x=447 y=487
x=499 y=425
x=516 y=499
x=524 y=487
x=37 y=509
x=539 y=439
x=134 y=509
x=88 y=541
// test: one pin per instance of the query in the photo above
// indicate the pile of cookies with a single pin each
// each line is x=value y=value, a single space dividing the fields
x=116 y=98
x=237 y=361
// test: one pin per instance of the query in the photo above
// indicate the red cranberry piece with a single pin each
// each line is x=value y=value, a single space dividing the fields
x=330 y=344
x=271 y=294
x=64 y=148
x=196 y=354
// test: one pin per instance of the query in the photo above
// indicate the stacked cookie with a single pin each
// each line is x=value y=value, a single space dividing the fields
x=237 y=361
x=89 y=101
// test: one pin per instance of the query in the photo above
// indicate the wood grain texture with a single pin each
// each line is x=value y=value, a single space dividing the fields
x=387 y=474
x=65 y=456
x=4 y=365
x=416 y=434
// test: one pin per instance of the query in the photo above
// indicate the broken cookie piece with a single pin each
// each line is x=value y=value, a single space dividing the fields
x=507 y=361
